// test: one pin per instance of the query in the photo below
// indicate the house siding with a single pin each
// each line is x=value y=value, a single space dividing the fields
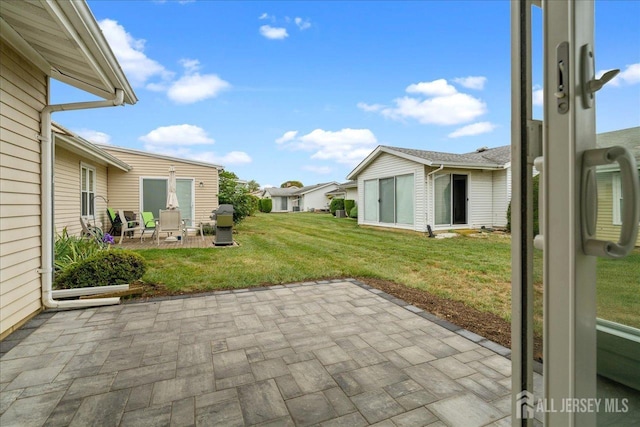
x=23 y=94
x=67 y=191
x=605 y=228
x=501 y=196
x=124 y=187
x=387 y=165
x=316 y=199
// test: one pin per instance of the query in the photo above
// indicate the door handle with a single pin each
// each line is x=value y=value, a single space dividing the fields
x=631 y=207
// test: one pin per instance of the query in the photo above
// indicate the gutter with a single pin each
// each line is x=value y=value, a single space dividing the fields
x=46 y=200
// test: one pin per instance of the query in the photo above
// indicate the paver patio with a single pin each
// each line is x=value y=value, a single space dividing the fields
x=332 y=353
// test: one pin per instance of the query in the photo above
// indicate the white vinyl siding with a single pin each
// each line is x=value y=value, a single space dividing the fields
x=125 y=191
x=316 y=198
x=23 y=90
x=480 y=194
x=501 y=197
x=68 y=193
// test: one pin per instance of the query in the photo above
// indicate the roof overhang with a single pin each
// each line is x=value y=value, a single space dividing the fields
x=116 y=149
x=317 y=188
x=63 y=39
x=68 y=140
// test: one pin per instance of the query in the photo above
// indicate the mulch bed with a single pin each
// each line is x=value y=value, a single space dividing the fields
x=485 y=324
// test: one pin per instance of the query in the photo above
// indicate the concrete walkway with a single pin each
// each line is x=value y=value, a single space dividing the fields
x=333 y=353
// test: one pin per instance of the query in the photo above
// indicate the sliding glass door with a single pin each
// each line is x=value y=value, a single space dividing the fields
x=154 y=196
x=450 y=199
x=390 y=200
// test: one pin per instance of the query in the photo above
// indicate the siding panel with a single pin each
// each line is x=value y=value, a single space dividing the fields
x=124 y=187
x=23 y=93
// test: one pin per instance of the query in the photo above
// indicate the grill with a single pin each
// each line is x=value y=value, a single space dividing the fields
x=224 y=225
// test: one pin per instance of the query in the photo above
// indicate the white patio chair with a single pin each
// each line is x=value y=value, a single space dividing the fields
x=169 y=221
x=128 y=226
x=196 y=228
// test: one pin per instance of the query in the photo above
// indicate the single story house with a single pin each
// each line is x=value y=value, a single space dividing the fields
x=145 y=186
x=347 y=190
x=41 y=40
x=295 y=199
x=609 y=187
x=411 y=189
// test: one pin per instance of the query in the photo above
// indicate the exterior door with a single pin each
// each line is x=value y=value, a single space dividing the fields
x=563 y=148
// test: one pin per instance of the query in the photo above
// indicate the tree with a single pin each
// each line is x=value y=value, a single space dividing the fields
x=244 y=204
x=253 y=186
x=291 y=184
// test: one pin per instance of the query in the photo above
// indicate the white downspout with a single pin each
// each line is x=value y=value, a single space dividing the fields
x=429 y=179
x=46 y=196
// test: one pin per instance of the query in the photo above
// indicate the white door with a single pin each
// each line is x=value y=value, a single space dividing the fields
x=564 y=144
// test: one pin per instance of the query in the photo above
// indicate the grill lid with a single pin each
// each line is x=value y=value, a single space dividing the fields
x=224 y=210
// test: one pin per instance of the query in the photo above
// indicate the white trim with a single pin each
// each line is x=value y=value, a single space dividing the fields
x=616 y=191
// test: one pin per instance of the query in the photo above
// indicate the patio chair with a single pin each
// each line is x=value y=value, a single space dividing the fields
x=169 y=222
x=115 y=222
x=90 y=231
x=148 y=223
x=128 y=227
x=196 y=228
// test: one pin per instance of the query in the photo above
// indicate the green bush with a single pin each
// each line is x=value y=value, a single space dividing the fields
x=536 y=225
x=230 y=192
x=336 y=204
x=69 y=250
x=116 y=267
x=353 y=213
x=348 y=205
x=267 y=205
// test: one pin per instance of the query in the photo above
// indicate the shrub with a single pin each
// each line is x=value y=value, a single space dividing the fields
x=233 y=194
x=336 y=204
x=69 y=250
x=353 y=213
x=267 y=205
x=348 y=205
x=104 y=268
x=536 y=225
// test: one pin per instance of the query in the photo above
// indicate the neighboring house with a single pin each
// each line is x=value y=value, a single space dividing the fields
x=295 y=199
x=410 y=189
x=609 y=187
x=313 y=197
x=80 y=172
x=347 y=190
x=280 y=198
x=40 y=40
x=145 y=186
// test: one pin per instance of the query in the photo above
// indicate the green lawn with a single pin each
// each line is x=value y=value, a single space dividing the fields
x=284 y=248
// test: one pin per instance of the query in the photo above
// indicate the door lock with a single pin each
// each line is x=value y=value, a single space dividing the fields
x=590 y=85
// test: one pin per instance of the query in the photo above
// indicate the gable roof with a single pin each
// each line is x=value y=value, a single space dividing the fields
x=489 y=158
x=308 y=188
x=63 y=39
x=281 y=192
x=117 y=149
x=628 y=138
x=70 y=141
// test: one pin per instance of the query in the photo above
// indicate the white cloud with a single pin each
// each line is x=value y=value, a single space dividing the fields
x=94 y=136
x=537 y=96
x=471 y=82
x=322 y=170
x=264 y=16
x=231 y=158
x=194 y=87
x=130 y=53
x=182 y=135
x=302 y=24
x=273 y=33
x=348 y=146
x=628 y=76
x=473 y=129
x=288 y=136
x=438 y=87
x=436 y=102
x=370 y=107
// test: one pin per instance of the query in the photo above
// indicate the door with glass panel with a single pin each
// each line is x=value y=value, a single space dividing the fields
x=450 y=199
x=589 y=214
x=155 y=191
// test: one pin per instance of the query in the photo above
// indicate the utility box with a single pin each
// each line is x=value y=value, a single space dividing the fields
x=224 y=225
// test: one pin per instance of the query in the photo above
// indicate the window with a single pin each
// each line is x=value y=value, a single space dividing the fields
x=389 y=200
x=87 y=190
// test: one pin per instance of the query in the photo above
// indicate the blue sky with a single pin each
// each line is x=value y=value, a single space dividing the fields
x=278 y=91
